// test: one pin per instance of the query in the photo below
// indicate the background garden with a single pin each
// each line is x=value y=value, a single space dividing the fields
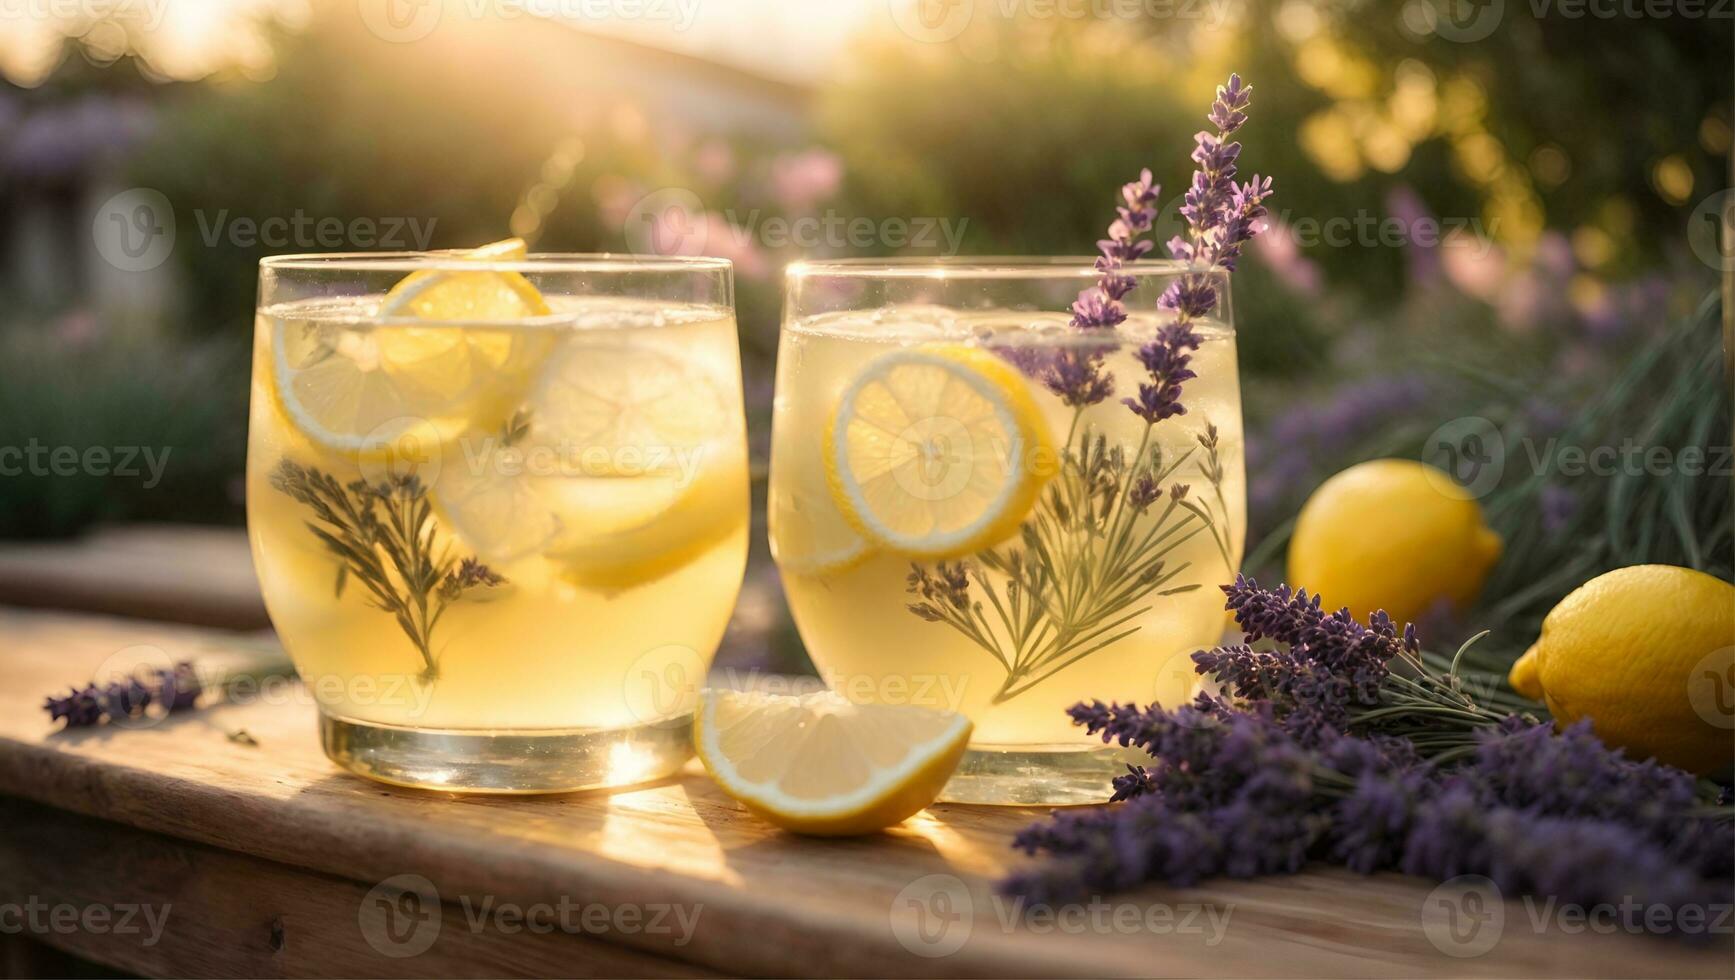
x=1510 y=226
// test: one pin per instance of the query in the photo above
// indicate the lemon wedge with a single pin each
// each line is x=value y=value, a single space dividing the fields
x=808 y=536
x=820 y=764
x=389 y=388
x=937 y=452
x=626 y=531
x=625 y=465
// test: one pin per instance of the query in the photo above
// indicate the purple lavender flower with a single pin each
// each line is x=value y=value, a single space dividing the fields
x=80 y=708
x=176 y=688
x=1167 y=359
x=1244 y=789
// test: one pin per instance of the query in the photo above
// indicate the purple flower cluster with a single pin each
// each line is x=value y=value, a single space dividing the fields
x=176 y=688
x=1076 y=373
x=1221 y=216
x=1332 y=664
x=1240 y=789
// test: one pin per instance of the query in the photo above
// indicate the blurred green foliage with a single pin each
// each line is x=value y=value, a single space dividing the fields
x=167 y=424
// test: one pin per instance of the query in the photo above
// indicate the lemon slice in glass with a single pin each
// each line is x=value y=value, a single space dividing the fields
x=626 y=466
x=661 y=472
x=387 y=387
x=937 y=452
x=820 y=764
x=808 y=536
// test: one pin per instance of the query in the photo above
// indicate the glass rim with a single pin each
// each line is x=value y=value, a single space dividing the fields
x=455 y=260
x=986 y=267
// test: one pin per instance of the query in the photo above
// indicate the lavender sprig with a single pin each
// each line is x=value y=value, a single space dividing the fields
x=1097 y=545
x=1221 y=216
x=384 y=536
x=175 y=688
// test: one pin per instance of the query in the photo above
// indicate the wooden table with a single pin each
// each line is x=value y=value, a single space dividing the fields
x=232 y=859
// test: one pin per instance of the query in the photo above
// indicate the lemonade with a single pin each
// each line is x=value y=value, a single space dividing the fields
x=500 y=530
x=952 y=534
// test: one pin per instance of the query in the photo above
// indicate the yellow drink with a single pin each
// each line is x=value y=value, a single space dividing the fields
x=1134 y=588
x=553 y=524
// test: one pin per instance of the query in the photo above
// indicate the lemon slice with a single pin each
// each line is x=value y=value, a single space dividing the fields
x=629 y=465
x=808 y=535
x=819 y=764
x=937 y=452
x=625 y=531
x=390 y=388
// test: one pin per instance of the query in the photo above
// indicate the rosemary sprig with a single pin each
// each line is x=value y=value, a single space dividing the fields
x=1094 y=548
x=385 y=537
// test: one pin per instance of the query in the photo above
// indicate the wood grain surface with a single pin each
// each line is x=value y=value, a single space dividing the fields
x=174 y=573
x=241 y=837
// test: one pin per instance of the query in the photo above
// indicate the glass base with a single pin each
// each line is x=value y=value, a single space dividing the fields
x=1031 y=775
x=549 y=761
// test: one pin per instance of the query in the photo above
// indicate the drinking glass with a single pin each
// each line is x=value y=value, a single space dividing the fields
x=499 y=508
x=962 y=521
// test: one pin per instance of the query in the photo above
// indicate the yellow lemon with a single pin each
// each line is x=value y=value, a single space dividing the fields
x=1647 y=653
x=820 y=764
x=390 y=387
x=1391 y=534
x=937 y=452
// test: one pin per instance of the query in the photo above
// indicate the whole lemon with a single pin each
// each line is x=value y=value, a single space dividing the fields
x=1647 y=653
x=1391 y=534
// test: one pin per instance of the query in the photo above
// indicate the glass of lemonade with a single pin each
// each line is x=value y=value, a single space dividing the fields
x=967 y=516
x=498 y=506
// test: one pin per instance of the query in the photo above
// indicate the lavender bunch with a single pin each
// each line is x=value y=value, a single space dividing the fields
x=175 y=688
x=1292 y=767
